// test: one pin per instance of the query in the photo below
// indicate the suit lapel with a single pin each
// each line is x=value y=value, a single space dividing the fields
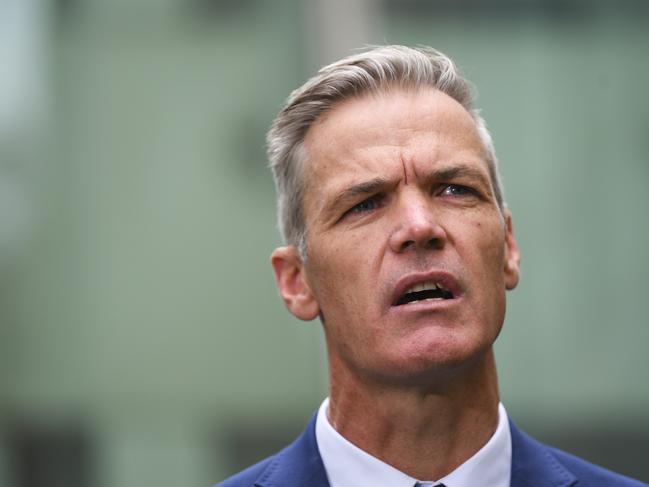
x=298 y=464
x=534 y=465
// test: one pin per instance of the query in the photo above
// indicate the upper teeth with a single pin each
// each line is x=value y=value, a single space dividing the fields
x=425 y=286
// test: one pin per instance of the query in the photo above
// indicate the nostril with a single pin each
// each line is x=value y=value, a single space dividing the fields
x=434 y=243
x=407 y=244
x=420 y=235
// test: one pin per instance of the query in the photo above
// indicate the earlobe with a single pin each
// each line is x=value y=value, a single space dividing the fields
x=291 y=283
x=512 y=254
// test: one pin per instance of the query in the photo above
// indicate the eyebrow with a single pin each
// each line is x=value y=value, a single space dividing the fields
x=366 y=187
x=352 y=192
x=458 y=171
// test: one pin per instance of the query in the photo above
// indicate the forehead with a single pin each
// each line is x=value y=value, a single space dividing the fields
x=372 y=114
x=384 y=131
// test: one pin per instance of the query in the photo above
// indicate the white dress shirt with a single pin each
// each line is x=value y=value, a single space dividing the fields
x=349 y=466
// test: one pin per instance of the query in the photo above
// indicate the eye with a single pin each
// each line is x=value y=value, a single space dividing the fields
x=456 y=190
x=366 y=205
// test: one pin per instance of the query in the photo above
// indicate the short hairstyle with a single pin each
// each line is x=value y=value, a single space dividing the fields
x=378 y=69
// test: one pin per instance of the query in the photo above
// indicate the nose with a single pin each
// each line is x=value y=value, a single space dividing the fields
x=417 y=227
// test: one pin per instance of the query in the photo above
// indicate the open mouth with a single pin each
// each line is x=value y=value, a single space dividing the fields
x=425 y=291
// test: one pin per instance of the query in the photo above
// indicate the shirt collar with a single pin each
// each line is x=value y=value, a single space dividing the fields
x=349 y=466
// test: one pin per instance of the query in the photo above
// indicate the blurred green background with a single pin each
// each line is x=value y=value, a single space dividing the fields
x=142 y=341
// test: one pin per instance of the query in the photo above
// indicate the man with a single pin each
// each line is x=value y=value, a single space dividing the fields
x=398 y=238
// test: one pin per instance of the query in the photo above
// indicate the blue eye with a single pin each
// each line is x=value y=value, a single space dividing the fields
x=367 y=205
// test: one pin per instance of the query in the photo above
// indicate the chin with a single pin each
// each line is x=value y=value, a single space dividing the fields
x=436 y=359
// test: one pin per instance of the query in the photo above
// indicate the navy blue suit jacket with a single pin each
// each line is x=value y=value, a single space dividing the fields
x=533 y=465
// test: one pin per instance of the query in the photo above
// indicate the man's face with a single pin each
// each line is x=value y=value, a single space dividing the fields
x=408 y=254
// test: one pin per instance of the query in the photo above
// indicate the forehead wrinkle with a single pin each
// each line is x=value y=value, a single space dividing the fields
x=405 y=171
x=414 y=170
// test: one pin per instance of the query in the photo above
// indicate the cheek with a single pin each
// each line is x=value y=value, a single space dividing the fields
x=492 y=254
x=483 y=253
x=491 y=234
x=345 y=277
x=332 y=276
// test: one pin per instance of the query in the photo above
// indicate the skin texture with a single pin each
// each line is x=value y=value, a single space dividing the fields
x=398 y=192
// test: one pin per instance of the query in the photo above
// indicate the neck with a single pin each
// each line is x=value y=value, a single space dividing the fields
x=426 y=431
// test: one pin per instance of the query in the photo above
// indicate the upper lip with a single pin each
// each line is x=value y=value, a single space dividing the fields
x=445 y=279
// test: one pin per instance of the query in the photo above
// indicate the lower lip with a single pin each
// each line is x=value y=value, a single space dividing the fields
x=426 y=305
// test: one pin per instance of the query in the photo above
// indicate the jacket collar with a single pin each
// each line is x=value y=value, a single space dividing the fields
x=533 y=464
x=298 y=464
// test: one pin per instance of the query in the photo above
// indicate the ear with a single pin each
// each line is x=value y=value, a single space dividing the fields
x=292 y=284
x=512 y=254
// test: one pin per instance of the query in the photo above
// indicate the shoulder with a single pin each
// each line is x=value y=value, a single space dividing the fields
x=297 y=464
x=536 y=464
x=591 y=474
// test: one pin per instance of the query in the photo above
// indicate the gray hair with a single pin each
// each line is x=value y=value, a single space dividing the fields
x=378 y=69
